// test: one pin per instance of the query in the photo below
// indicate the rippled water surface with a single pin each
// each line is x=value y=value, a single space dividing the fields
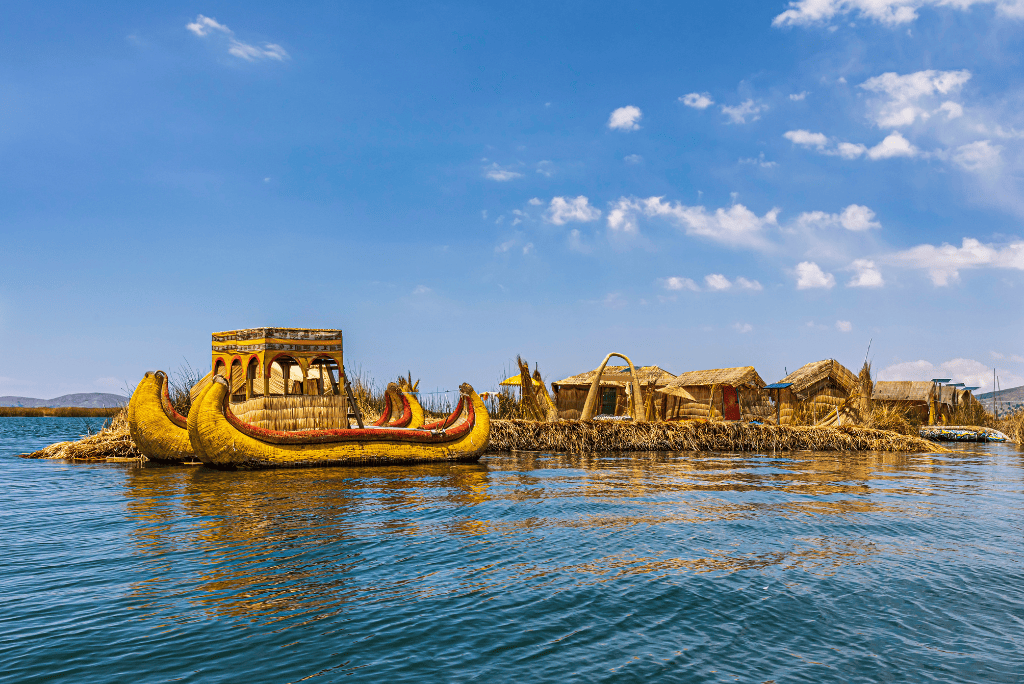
x=525 y=568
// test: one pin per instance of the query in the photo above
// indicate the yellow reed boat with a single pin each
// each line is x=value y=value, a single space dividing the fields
x=222 y=440
x=157 y=429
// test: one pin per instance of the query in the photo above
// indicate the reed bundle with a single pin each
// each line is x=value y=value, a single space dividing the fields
x=694 y=435
x=296 y=412
x=111 y=442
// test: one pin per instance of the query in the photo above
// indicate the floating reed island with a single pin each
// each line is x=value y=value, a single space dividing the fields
x=822 y=406
x=694 y=435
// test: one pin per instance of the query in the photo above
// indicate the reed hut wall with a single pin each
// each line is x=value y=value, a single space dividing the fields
x=570 y=394
x=701 y=394
x=296 y=412
x=912 y=397
x=820 y=386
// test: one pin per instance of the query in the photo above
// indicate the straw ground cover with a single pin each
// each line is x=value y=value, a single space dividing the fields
x=694 y=435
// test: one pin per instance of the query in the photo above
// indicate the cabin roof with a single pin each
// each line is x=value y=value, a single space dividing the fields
x=742 y=376
x=646 y=374
x=902 y=390
x=816 y=371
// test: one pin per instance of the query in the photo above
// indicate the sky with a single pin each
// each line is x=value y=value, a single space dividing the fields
x=696 y=185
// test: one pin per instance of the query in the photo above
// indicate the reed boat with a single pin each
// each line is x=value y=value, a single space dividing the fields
x=401 y=409
x=221 y=439
x=159 y=432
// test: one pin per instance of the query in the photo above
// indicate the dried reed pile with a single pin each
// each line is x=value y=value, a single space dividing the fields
x=61 y=412
x=1012 y=426
x=694 y=435
x=111 y=442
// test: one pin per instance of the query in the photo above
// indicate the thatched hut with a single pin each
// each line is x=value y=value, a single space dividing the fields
x=571 y=393
x=820 y=386
x=729 y=393
x=912 y=396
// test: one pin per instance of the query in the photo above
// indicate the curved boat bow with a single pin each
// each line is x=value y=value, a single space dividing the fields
x=157 y=429
x=221 y=439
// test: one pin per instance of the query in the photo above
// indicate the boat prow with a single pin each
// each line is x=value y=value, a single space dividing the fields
x=221 y=439
x=159 y=432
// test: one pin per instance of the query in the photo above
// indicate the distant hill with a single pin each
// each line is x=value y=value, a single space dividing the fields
x=81 y=400
x=1011 y=395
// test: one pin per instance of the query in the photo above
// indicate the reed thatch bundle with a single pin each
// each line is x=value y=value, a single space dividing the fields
x=111 y=443
x=589 y=436
x=295 y=412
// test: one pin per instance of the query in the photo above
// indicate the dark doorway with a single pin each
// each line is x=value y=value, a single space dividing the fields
x=730 y=403
x=608 y=401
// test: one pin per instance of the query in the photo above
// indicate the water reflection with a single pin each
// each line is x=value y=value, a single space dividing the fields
x=291 y=546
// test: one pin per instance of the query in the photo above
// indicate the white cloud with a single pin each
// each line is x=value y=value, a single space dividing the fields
x=505 y=246
x=759 y=161
x=844 y=326
x=625 y=118
x=968 y=371
x=546 y=168
x=675 y=283
x=866 y=274
x=697 y=100
x=945 y=262
x=953 y=110
x=536 y=201
x=888 y=12
x=614 y=300
x=894 y=145
x=742 y=328
x=562 y=210
x=806 y=138
x=576 y=243
x=855 y=217
x=797 y=97
x=252 y=53
x=740 y=113
x=420 y=290
x=903 y=94
x=745 y=284
x=977 y=156
x=810 y=276
x=528 y=248
x=203 y=25
x=497 y=173
x=632 y=159
x=717 y=282
x=737 y=225
x=848 y=150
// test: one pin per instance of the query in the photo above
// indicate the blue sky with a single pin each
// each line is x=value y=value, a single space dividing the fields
x=696 y=185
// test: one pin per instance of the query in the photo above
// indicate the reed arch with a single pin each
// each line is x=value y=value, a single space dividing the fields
x=595 y=389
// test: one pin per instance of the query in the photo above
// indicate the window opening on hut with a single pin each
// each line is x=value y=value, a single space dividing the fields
x=253 y=388
x=237 y=381
x=608 y=399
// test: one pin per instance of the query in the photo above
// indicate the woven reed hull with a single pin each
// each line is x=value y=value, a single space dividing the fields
x=297 y=412
x=222 y=443
x=151 y=425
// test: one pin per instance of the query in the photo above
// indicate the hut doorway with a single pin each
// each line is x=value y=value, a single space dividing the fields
x=730 y=403
x=608 y=400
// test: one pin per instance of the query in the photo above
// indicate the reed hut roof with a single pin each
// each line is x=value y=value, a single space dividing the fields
x=613 y=377
x=743 y=376
x=809 y=374
x=517 y=381
x=902 y=390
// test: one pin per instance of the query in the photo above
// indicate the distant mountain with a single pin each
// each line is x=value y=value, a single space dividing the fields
x=1012 y=395
x=82 y=400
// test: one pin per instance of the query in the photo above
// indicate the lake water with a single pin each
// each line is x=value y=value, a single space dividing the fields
x=524 y=568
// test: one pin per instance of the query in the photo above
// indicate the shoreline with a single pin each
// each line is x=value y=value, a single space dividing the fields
x=57 y=412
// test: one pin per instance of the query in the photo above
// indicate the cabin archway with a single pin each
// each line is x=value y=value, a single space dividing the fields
x=595 y=389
